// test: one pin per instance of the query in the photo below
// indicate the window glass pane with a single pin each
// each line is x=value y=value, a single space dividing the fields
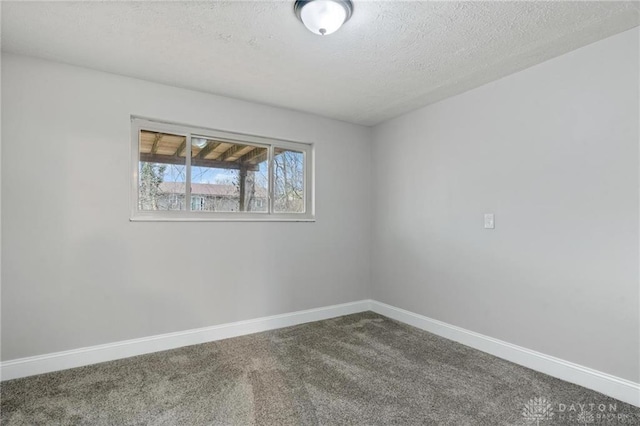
x=161 y=171
x=288 y=181
x=228 y=177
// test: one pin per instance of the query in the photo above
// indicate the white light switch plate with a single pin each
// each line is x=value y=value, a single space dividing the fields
x=489 y=221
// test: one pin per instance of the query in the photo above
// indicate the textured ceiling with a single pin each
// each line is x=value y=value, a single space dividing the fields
x=390 y=58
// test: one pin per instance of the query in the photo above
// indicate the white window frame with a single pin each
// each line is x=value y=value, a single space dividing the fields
x=138 y=124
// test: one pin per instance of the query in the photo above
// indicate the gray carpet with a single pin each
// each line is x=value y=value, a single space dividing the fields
x=358 y=369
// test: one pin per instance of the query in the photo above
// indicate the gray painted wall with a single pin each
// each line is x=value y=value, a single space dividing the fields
x=78 y=273
x=553 y=152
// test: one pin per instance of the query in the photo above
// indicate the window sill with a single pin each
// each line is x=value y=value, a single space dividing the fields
x=221 y=219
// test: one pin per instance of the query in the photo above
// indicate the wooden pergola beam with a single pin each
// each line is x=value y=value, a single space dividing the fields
x=231 y=152
x=197 y=162
x=156 y=140
x=181 y=148
x=252 y=155
x=207 y=149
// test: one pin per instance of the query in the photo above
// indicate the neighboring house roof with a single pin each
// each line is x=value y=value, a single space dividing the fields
x=211 y=189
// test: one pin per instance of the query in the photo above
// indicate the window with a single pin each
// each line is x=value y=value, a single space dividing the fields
x=183 y=173
x=197 y=203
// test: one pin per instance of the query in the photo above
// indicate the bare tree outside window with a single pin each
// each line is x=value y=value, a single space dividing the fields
x=288 y=172
x=151 y=176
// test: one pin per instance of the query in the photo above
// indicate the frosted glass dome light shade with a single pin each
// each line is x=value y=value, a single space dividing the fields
x=323 y=17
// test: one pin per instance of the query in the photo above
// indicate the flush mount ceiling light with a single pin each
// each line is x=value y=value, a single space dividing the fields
x=323 y=17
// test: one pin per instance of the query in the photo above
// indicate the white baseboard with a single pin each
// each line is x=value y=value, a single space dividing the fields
x=621 y=389
x=615 y=387
x=30 y=366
